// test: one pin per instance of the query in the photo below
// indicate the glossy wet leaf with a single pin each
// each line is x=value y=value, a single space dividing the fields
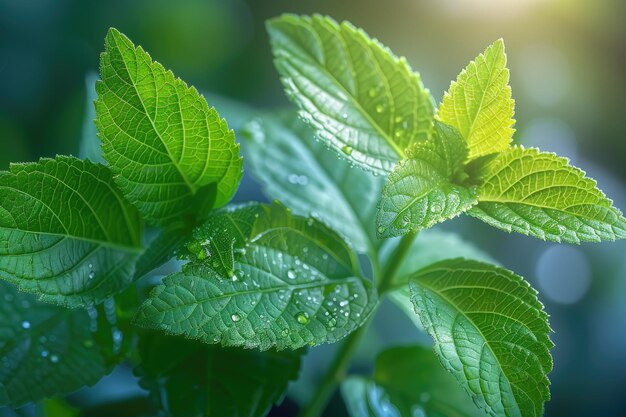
x=539 y=194
x=361 y=99
x=46 y=350
x=407 y=382
x=173 y=156
x=490 y=332
x=290 y=282
x=66 y=232
x=300 y=172
x=429 y=247
x=479 y=105
x=422 y=190
x=189 y=379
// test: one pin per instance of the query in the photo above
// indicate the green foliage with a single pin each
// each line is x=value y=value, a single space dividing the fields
x=47 y=350
x=190 y=379
x=173 y=156
x=262 y=277
x=539 y=194
x=361 y=99
x=407 y=382
x=490 y=332
x=479 y=103
x=308 y=178
x=289 y=282
x=421 y=190
x=67 y=233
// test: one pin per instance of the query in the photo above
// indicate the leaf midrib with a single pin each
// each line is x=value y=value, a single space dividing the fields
x=351 y=98
x=167 y=149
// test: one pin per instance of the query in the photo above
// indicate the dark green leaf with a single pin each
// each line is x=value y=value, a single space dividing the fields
x=66 y=232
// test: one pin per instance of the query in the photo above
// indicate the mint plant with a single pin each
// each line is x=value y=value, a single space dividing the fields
x=257 y=285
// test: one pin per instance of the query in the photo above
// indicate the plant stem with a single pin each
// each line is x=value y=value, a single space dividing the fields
x=335 y=374
x=395 y=260
x=337 y=370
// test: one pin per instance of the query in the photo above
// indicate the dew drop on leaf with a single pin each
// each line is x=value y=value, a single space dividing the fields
x=291 y=274
x=372 y=92
x=381 y=229
x=54 y=359
x=302 y=317
x=235 y=317
x=347 y=149
x=380 y=108
x=26 y=324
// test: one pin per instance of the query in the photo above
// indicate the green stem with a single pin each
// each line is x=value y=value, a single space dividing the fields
x=337 y=370
x=395 y=260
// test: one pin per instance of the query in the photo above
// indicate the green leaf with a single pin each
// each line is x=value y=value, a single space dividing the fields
x=421 y=191
x=173 y=156
x=290 y=282
x=479 y=105
x=539 y=194
x=407 y=382
x=46 y=350
x=429 y=247
x=66 y=232
x=307 y=177
x=190 y=379
x=361 y=99
x=490 y=332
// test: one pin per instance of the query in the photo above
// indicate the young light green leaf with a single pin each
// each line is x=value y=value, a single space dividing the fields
x=361 y=99
x=66 y=232
x=421 y=191
x=45 y=350
x=479 y=105
x=173 y=156
x=291 y=282
x=539 y=194
x=299 y=171
x=490 y=332
x=407 y=382
x=191 y=379
x=430 y=246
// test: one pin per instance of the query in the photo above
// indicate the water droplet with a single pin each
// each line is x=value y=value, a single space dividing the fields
x=26 y=325
x=302 y=317
x=309 y=221
x=344 y=116
x=291 y=274
x=235 y=317
x=372 y=92
x=380 y=108
x=54 y=359
x=380 y=229
x=234 y=278
x=399 y=133
x=343 y=303
x=303 y=180
x=347 y=149
x=562 y=229
x=435 y=208
x=90 y=266
x=293 y=178
x=44 y=353
x=398 y=119
x=285 y=332
x=92 y=275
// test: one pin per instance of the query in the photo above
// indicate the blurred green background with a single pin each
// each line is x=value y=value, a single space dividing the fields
x=568 y=74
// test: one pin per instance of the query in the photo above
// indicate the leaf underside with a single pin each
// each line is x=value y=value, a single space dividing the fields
x=293 y=283
x=66 y=232
x=362 y=100
x=308 y=178
x=173 y=156
x=407 y=382
x=539 y=194
x=490 y=332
